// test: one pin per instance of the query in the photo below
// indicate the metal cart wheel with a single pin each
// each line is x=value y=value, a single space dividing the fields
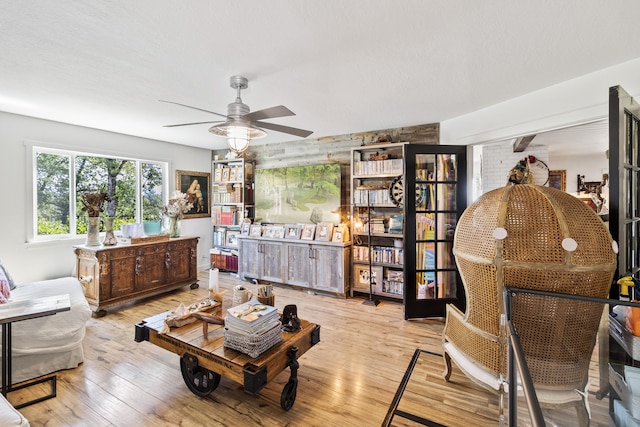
x=199 y=380
x=288 y=397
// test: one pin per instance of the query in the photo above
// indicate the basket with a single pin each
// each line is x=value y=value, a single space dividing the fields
x=252 y=345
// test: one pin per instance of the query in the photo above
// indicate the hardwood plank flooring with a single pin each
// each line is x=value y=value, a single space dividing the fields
x=348 y=379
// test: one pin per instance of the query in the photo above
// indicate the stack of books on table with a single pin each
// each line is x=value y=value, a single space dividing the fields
x=252 y=328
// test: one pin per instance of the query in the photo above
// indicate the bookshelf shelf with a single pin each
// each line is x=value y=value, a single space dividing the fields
x=231 y=203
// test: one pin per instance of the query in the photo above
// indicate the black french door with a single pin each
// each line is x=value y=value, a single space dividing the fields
x=624 y=183
x=438 y=175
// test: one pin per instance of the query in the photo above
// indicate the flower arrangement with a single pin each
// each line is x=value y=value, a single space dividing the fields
x=178 y=205
x=93 y=202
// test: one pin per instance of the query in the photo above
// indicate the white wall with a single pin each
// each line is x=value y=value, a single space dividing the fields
x=591 y=166
x=38 y=261
x=499 y=159
x=575 y=101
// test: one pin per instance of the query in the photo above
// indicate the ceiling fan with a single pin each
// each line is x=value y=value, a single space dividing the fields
x=241 y=126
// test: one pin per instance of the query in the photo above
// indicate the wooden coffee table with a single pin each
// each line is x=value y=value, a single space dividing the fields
x=203 y=361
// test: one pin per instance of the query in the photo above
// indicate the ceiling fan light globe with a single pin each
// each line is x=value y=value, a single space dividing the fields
x=238 y=144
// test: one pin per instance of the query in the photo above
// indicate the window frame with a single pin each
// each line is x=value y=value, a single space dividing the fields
x=34 y=147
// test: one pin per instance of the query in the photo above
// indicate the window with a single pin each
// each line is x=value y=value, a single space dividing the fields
x=135 y=190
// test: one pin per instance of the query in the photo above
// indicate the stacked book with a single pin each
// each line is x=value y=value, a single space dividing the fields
x=252 y=328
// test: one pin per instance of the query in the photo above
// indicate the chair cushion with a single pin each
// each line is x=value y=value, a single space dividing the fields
x=51 y=333
x=9 y=416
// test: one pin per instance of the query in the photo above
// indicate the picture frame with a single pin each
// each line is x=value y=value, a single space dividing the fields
x=292 y=231
x=225 y=174
x=217 y=174
x=268 y=232
x=340 y=234
x=245 y=227
x=278 y=231
x=361 y=276
x=255 y=230
x=308 y=232
x=232 y=238
x=233 y=174
x=324 y=231
x=196 y=185
x=558 y=179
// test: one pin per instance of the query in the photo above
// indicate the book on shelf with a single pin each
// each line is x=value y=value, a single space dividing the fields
x=379 y=167
x=216 y=214
x=229 y=215
x=220 y=236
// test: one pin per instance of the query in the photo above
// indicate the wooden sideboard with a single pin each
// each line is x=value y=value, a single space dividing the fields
x=321 y=266
x=114 y=275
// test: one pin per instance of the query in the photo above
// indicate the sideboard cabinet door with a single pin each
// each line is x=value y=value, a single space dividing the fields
x=180 y=260
x=298 y=265
x=250 y=259
x=328 y=267
x=272 y=261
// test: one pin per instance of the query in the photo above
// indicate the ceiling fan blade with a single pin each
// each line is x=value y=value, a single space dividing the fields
x=194 y=108
x=269 y=113
x=189 y=124
x=284 y=129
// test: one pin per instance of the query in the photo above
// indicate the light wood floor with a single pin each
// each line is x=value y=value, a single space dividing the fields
x=348 y=379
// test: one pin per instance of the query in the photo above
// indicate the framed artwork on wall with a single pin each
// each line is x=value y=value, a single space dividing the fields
x=196 y=186
x=558 y=179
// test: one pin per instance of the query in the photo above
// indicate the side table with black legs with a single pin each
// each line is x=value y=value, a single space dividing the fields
x=15 y=311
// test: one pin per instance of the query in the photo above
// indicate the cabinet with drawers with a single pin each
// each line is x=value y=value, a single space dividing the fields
x=114 y=275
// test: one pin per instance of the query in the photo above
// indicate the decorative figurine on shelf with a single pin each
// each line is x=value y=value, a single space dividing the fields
x=521 y=173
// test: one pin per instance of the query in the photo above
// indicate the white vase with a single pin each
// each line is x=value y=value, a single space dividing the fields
x=93 y=231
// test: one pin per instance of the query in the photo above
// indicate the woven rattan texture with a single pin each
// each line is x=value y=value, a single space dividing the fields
x=557 y=335
x=483 y=308
x=473 y=237
x=534 y=232
x=483 y=350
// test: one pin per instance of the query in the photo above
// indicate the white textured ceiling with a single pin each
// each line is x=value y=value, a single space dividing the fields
x=341 y=65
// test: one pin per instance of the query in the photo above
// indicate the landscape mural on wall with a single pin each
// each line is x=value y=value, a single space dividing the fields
x=298 y=194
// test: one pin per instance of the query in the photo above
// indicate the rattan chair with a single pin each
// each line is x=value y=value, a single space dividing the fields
x=557 y=335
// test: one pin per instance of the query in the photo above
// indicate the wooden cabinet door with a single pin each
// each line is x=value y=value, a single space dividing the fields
x=298 y=265
x=179 y=260
x=250 y=259
x=272 y=268
x=328 y=268
x=121 y=273
x=150 y=267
